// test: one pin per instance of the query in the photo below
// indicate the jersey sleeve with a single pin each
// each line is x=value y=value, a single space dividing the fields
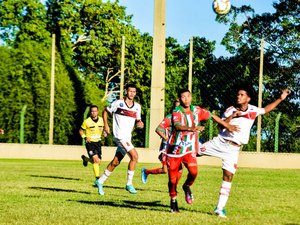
x=113 y=107
x=84 y=125
x=229 y=111
x=138 y=115
x=176 y=118
x=260 y=111
x=165 y=123
x=204 y=114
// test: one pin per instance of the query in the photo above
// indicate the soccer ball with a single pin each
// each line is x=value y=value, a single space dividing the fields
x=221 y=6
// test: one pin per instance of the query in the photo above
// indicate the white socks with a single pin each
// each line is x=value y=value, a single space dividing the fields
x=104 y=176
x=130 y=174
x=224 y=194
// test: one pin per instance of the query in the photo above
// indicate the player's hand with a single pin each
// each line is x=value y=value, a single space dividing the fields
x=106 y=129
x=236 y=114
x=200 y=128
x=87 y=140
x=285 y=93
x=233 y=128
x=1 y=131
x=140 y=124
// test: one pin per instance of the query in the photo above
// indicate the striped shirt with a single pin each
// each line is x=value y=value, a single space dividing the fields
x=185 y=142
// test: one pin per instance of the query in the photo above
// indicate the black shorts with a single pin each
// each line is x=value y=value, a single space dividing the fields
x=94 y=148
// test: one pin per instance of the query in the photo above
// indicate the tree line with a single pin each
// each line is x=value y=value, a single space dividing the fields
x=88 y=60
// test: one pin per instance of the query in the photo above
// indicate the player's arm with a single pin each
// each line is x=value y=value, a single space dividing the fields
x=161 y=134
x=105 y=114
x=224 y=123
x=274 y=104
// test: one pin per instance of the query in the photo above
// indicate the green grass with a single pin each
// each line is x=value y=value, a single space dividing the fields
x=62 y=192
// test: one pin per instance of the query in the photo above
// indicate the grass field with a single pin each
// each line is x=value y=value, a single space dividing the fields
x=62 y=192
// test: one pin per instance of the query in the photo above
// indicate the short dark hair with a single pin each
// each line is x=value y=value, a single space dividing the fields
x=183 y=91
x=93 y=106
x=130 y=86
x=248 y=88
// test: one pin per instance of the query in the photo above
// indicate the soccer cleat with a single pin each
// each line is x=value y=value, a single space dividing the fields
x=84 y=163
x=100 y=187
x=188 y=194
x=220 y=212
x=144 y=176
x=131 y=189
x=174 y=206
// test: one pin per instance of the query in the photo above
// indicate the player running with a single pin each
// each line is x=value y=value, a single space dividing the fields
x=228 y=143
x=126 y=114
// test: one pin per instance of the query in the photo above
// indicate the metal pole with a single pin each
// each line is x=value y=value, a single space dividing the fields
x=157 y=101
x=147 y=128
x=211 y=128
x=277 y=132
x=191 y=65
x=122 y=68
x=85 y=114
x=52 y=89
x=22 y=124
x=258 y=140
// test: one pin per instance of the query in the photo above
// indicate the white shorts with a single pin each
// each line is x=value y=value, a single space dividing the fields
x=124 y=146
x=220 y=148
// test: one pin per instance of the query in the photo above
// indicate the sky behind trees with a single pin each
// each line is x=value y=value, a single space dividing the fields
x=189 y=18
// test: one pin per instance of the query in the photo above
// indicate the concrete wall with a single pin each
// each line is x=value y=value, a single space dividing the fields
x=72 y=152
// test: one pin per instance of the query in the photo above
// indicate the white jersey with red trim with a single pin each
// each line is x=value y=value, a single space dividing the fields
x=124 y=118
x=244 y=122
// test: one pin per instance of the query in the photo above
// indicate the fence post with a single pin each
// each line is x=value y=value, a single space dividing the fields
x=22 y=124
x=147 y=128
x=211 y=128
x=85 y=114
x=277 y=132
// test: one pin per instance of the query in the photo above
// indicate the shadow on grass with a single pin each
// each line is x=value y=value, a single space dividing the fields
x=138 y=189
x=59 y=190
x=129 y=204
x=55 y=177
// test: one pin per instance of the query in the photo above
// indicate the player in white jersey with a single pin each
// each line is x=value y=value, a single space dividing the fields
x=126 y=114
x=228 y=143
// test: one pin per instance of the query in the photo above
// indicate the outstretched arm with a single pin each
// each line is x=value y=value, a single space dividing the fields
x=225 y=124
x=273 y=105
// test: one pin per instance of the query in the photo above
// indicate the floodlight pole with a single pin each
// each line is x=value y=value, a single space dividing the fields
x=191 y=65
x=52 y=89
x=157 y=101
x=261 y=65
x=122 y=68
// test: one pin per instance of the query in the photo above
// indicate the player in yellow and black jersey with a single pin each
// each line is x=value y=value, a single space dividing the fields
x=91 y=130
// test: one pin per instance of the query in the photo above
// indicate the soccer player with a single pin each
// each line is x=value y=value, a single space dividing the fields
x=183 y=144
x=228 y=143
x=126 y=114
x=91 y=130
x=164 y=131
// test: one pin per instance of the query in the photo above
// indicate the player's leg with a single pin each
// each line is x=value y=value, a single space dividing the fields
x=190 y=162
x=230 y=158
x=173 y=165
x=133 y=155
x=97 y=158
x=162 y=170
x=109 y=169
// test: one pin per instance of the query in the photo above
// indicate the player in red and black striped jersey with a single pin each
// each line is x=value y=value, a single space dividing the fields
x=126 y=114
